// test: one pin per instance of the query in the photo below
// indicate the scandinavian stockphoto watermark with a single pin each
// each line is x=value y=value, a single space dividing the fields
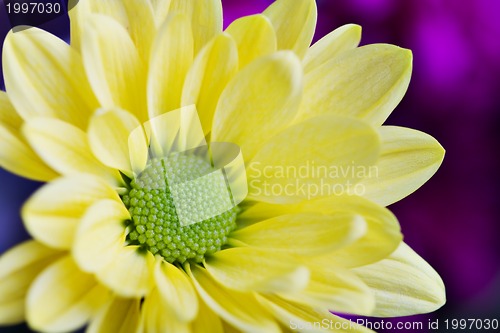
x=309 y=179
x=431 y=325
x=348 y=325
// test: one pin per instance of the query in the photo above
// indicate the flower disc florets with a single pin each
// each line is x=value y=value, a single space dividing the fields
x=155 y=224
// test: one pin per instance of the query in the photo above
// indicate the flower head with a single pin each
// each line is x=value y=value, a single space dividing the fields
x=206 y=180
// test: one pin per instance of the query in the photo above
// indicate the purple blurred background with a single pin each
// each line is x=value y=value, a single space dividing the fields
x=450 y=221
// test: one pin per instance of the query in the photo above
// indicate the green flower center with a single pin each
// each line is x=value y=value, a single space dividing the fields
x=156 y=225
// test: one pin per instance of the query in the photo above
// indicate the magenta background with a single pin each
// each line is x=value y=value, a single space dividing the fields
x=454 y=96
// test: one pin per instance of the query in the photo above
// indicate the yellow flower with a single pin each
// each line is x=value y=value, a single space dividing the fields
x=311 y=236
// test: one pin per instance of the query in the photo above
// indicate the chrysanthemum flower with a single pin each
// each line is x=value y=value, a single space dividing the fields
x=109 y=249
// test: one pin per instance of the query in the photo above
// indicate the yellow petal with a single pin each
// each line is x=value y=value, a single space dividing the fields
x=207 y=320
x=306 y=233
x=205 y=16
x=381 y=238
x=17 y=157
x=294 y=22
x=113 y=9
x=254 y=36
x=19 y=266
x=62 y=298
x=120 y=315
x=319 y=157
x=408 y=159
x=129 y=273
x=137 y=16
x=65 y=148
x=260 y=101
x=174 y=132
x=212 y=69
x=367 y=82
x=75 y=19
x=108 y=134
x=239 y=309
x=113 y=65
x=43 y=67
x=53 y=213
x=171 y=57
x=252 y=269
x=100 y=235
x=344 y=38
x=100 y=248
x=299 y=317
x=8 y=114
x=404 y=284
x=258 y=211
x=334 y=288
x=160 y=10
x=176 y=289
x=157 y=317
x=227 y=328
x=141 y=25
x=82 y=9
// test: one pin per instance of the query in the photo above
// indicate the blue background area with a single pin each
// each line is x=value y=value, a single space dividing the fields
x=452 y=220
